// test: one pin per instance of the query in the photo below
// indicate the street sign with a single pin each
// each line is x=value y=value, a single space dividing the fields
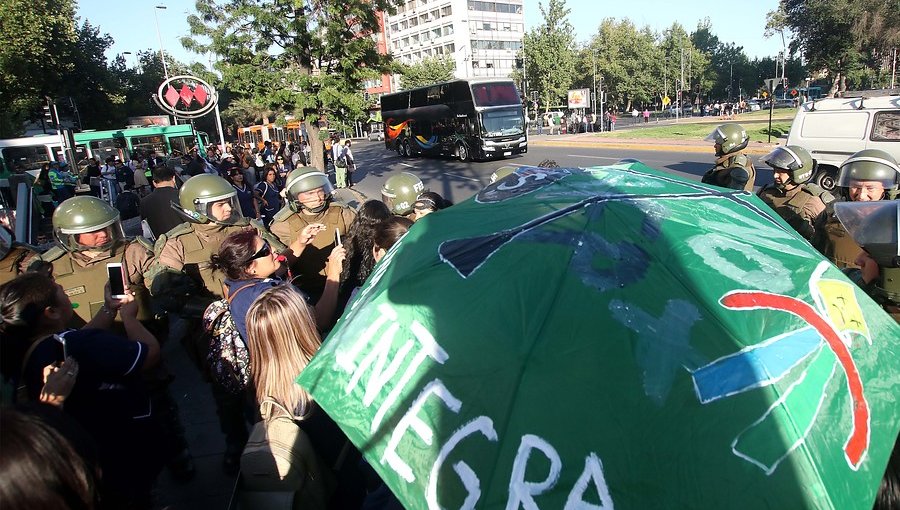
x=666 y=101
x=770 y=83
x=793 y=92
x=765 y=94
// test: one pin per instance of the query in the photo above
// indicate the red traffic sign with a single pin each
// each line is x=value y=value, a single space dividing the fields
x=793 y=92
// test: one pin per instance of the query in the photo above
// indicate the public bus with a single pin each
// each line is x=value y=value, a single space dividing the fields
x=18 y=155
x=474 y=119
x=256 y=135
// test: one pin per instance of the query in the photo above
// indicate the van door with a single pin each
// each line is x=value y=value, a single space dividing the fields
x=833 y=136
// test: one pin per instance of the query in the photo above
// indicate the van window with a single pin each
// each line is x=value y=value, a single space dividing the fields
x=886 y=127
x=850 y=125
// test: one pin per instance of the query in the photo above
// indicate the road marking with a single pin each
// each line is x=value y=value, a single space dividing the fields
x=462 y=177
x=406 y=165
x=591 y=157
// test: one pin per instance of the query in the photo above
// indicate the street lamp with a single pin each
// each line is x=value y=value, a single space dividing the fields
x=158 y=36
x=135 y=58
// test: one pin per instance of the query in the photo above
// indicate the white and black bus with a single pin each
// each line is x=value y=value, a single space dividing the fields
x=475 y=119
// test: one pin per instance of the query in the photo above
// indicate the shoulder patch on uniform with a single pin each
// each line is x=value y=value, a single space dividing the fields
x=283 y=214
x=741 y=159
x=55 y=252
x=180 y=230
x=143 y=241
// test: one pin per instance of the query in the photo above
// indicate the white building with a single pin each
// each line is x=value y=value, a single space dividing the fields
x=483 y=37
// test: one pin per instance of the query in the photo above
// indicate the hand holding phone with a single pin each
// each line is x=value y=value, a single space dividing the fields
x=116 y=280
x=337 y=236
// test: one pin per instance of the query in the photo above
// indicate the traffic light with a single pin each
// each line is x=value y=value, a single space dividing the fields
x=519 y=63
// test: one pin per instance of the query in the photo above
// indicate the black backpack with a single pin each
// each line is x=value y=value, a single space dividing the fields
x=128 y=204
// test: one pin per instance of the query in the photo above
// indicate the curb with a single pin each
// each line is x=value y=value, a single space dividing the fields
x=663 y=146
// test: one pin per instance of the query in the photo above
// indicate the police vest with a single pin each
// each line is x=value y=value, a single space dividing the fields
x=310 y=267
x=85 y=284
x=720 y=175
x=840 y=248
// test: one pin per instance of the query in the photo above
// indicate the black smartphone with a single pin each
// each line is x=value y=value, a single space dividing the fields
x=116 y=280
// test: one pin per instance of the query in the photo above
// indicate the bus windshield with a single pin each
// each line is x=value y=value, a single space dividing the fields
x=503 y=122
x=495 y=94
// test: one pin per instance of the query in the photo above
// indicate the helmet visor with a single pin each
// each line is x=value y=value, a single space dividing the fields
x=781 y=158
x=874 y=226
x=99 y=239
x=224 y=211
x=869 y=172
x=396 y=204
x=717 y=136
x=309 y=181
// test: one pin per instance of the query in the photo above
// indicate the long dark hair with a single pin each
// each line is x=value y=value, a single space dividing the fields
x=40 y=468
x=234 y=255
x=389 y=232
x=22 y=304
x=359 y=261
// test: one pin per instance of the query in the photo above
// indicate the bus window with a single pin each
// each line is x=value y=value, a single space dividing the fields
x=102 y=149
x=505 y=122
x=20 y=159
x=182 y=144
x=80 y=154
x=495 y=94
x=148 y=144
x=204 y=138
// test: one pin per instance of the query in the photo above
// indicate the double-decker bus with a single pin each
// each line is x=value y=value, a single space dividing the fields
x=18 y=155
x=475 y=119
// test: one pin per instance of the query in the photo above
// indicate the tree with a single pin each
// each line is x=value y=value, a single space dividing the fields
x=627 y=61
x=38 y=41
x=550 y=54
x=307 y=57
x=427 y=71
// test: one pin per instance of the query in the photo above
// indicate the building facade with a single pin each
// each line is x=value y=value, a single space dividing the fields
x=482 y=37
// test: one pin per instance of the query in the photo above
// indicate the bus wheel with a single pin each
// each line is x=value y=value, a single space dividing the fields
x=463 y=152
x=407 y=150
x=399 y=148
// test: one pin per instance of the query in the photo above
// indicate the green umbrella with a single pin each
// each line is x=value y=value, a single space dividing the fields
x=613 y=337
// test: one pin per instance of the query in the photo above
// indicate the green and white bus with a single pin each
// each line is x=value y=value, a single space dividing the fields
x=18 y=155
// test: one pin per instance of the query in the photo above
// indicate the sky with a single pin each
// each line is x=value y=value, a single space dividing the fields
x=131 y=23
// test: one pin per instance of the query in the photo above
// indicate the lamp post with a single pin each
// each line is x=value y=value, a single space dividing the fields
x=158 y=36
x=135 y=58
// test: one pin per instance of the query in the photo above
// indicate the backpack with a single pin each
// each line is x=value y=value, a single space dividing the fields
x=280 y=463
x=228 y=358
x=341 y=161
x=128 y=204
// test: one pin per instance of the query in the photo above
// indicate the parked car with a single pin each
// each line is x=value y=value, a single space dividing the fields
x=833 y=129
x=376 y=136
x=753 y=106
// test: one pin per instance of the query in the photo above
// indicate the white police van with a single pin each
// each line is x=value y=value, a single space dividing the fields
x=833 y=129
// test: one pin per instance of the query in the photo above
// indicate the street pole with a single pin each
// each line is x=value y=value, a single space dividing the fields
x=594 y=62
x=162 y=56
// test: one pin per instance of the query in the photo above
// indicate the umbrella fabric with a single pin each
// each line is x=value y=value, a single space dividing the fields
x=613 y=337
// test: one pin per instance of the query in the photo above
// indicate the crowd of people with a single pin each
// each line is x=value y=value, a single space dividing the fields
x=68 y=342
x=249 y=277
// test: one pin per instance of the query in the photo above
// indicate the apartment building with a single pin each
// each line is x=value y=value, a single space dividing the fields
x=483 y=37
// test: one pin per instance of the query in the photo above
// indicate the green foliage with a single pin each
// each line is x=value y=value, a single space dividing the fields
x=303 y=57
x=39 y=38
x=549 y=51
x=427 y=71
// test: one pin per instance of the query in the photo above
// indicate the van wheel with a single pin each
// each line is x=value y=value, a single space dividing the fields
x=827 y=179
x=463 y=152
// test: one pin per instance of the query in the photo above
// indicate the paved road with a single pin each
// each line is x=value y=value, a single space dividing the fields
x=458 y=181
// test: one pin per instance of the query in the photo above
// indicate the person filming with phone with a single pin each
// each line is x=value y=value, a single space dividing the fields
x=109 y=398
x=90 y=243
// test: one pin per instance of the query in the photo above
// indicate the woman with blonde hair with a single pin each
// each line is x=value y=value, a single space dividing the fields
x=282 y=339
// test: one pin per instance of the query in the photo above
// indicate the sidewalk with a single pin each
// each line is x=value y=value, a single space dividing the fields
x=593 y=141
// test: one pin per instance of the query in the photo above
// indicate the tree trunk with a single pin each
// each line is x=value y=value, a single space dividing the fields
x=835 y=84
x=265 y=129
x=317 y=149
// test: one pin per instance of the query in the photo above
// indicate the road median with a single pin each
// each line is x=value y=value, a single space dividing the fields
x=591 y=141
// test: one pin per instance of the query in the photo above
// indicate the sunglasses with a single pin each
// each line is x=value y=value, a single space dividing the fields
x=265 y=251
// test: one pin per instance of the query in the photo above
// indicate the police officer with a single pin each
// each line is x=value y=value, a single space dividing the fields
x=183 y=282
x=309 y=200
x=868 y=175
x=874 y=226
x=400 y=192
x=89 y=235
x=802 y=205
x=733 y=168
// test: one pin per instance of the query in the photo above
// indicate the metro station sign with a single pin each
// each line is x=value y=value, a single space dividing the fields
x=186 y=97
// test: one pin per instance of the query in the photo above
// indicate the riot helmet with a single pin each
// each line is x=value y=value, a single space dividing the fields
x=502 y=172
x=400 y=192
x=867 y=172
x=303 y=180
x=792 y=160
x=87 y=223
x=209 y=198
x=729 y=138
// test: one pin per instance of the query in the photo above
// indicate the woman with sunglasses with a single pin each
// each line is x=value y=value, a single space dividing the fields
x=251 y=266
